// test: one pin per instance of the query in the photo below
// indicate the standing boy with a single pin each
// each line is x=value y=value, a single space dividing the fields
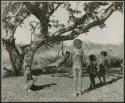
x=102 y=66
x=78 y=59
x=92 y=70
x=29 y=80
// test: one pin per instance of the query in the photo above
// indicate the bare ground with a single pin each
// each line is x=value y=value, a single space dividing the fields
x=50 y=88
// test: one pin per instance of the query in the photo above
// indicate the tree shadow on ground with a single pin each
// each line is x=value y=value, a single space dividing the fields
x=101 y=85
x=39 y=87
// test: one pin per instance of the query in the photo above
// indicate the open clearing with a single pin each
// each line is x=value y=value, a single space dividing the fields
x=60 y=88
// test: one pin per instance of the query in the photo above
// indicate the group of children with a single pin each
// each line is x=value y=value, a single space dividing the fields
x=95 y=68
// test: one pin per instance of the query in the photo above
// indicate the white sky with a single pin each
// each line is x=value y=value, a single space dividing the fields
x=113 y=33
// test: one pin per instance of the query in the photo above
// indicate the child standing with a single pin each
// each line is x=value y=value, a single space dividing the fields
x=102 y=66
x=78 y=59
x=92 y=70
x=29 y=80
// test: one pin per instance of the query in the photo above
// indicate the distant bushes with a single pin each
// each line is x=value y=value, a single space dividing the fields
x=44 y=57
x=115 y=62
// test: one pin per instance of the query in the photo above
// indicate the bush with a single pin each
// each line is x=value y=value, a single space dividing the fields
x=115 y=62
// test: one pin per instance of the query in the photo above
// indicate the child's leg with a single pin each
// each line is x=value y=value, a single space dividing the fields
x=90 y=76
x=104 y=80
x=25 y=76
x=99 y=77
x=80 y=79
x=75 y=79
x=30 y=84
x=93 y=81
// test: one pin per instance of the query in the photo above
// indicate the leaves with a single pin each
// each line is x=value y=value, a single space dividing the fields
x=14 y=14
x=73 y=11
x=67 y=5
x=92 y=6
x=119 y=6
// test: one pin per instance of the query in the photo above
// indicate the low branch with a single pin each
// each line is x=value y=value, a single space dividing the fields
x=77 y=32
x=104 y=16
x=58 y=37
x=64 y=30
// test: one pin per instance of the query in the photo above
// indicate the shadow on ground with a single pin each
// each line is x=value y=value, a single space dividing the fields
x=101 y=85
x=39 y=87
x=85 y=73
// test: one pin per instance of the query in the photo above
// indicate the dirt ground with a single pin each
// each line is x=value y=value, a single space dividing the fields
x=60 y=88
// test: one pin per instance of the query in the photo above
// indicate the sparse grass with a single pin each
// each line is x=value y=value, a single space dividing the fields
x=60 y=88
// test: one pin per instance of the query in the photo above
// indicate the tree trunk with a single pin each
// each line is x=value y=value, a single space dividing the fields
x=16 y=58
x=42 y=15
x=30 y=52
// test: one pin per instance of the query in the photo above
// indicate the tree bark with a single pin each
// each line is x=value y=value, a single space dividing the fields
x=16 y=57
x=43 y=17
x=10 y=22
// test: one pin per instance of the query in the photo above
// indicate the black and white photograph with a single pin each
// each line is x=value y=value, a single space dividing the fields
x=62 y=51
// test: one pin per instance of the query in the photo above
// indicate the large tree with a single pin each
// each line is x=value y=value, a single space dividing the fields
x=14 y=13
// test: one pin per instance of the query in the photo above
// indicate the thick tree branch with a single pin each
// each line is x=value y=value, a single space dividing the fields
x=63 y=30
x=107 y=13
x=101 y=21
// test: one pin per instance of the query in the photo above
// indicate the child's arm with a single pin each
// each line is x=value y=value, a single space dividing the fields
x=25 y=76
x=72 y=55
x=83 y=56
x=96 y=67
x=89 y=68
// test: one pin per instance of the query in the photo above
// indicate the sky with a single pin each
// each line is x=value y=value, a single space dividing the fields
x=113 y=33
